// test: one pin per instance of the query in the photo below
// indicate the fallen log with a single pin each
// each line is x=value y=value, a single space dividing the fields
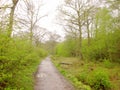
x=65 y=63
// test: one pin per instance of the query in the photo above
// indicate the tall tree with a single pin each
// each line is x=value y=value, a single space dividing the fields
x=76 y=19
x=39 y=35
x=12 y=8
x=33 y=16
x=11 y=19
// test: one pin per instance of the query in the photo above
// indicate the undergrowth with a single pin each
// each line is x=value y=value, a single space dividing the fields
x=90 y=75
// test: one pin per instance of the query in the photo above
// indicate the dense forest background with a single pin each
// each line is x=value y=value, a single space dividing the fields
x=92 y=30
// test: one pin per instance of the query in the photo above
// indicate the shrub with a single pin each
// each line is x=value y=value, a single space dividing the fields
x=99 y=79
x=18 y=61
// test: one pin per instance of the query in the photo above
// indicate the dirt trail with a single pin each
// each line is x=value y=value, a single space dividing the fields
x=48 y=78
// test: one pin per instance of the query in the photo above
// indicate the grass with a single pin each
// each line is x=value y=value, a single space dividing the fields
x=88 y=73
x=70 y=72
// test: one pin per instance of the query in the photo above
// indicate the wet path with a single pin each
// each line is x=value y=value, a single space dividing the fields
x=48 y=78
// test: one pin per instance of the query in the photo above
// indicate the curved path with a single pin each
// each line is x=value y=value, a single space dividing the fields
x=48 y=78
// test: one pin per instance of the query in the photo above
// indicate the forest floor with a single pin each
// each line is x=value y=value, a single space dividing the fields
x=48 y=78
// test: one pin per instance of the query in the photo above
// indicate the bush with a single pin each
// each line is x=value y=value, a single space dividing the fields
x=18 y=61
x=66 y=49
x=99 y=79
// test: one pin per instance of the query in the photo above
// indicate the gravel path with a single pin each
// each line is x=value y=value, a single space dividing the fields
x=48 y=78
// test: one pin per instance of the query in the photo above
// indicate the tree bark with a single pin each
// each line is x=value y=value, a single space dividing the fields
x=11 y=18
x=88 y=32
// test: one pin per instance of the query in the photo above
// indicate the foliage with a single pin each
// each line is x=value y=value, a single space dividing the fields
x=100 y=43
x=18 y=61
x=19 y=56
x=82 y=76
x=97 y=38
x=67 y=48
x=99 y=79
x=90 y=73
x=60 y=50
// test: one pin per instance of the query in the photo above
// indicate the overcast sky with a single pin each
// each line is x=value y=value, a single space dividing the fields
x=50 y=7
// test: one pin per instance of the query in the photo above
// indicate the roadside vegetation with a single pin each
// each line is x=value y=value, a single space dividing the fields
x=18 y=63
x=89 y=75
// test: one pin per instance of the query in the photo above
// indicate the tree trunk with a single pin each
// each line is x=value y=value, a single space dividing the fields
x=88 y=33
x=11 y=18
x=80 y=36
